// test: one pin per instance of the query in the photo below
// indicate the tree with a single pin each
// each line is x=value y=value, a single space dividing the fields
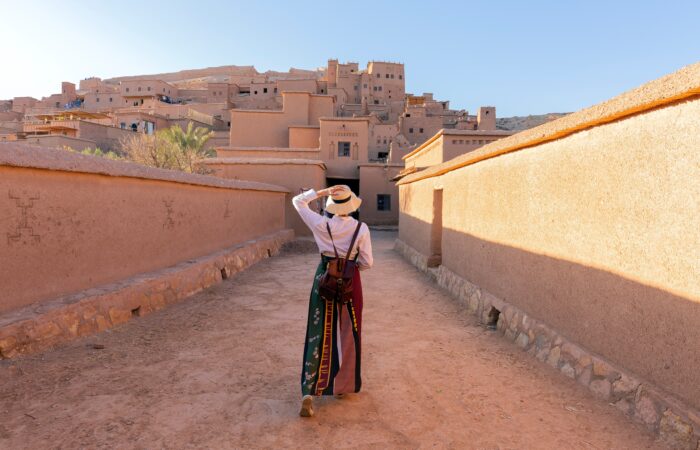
x=172 y=148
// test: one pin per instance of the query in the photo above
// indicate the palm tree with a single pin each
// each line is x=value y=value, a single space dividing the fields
x=187 y=146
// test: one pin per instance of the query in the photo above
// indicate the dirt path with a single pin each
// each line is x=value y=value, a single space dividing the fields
x=221 y=370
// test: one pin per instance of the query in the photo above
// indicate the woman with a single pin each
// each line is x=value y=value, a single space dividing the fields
x=332 y=346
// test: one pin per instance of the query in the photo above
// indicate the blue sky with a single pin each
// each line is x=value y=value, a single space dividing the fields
x=524 y=57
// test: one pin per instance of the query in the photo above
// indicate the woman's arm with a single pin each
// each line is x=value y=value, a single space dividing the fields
x=365 y=260
x=311 y=218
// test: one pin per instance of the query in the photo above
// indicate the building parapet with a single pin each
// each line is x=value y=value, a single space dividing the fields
x=34 y=157
x=680 y=85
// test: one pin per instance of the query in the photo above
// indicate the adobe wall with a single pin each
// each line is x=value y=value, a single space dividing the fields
x=60 y=141
x=267 y=152
x=588 y=224
x=304 y=137
x=294 y=174
x=72 y=222
x=376 y=179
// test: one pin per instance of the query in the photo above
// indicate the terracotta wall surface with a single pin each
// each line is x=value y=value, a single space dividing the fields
x=69 y=222
x=593 y=231
x=267 y=152
x=304 y=137
x=293 y=174
x=375 y=179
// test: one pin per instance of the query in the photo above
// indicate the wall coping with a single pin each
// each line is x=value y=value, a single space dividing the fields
x=680 y=85
x=265 y=161
x=267 y=149
x=27 y=156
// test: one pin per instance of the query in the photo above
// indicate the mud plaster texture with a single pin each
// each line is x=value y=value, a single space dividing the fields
x=44 y=325
x=676 y=424
x=221 y=370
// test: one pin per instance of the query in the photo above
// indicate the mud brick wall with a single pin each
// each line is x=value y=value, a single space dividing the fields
x=70 y=222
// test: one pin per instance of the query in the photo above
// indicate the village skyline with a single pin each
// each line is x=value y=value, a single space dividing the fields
x=527 y=59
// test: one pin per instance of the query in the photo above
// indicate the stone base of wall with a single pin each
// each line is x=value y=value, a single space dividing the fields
x=42 y=326
x=676 y=424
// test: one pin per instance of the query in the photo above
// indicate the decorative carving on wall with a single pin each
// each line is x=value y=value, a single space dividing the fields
x=24 y=233
x=169 y=222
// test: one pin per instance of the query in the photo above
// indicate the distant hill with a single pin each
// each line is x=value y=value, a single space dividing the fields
x=519 y=123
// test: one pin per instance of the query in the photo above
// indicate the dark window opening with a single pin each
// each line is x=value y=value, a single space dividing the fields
x=97 y=99
x=400 y=77
x=420 y=130
x=264 y=90
x=110 y=99
x=343 y=149
x=379 y=76
x=387 y=75
x=383 y=202
x=408 y=115
x=275 y=90
x=376 y=102
x=410 y=130
x=224 y=275
x=255 y=93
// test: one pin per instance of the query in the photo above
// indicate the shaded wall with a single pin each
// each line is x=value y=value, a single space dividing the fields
x=70 y=222
x=294 y=174
x=595 y=233
x=375 y=179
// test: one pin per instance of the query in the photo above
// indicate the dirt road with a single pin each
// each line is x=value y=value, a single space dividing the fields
x=221 y=370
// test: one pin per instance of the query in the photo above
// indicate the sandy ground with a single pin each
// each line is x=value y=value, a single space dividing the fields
x=221 y=370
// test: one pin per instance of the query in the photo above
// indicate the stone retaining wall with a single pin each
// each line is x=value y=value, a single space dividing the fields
x=675 y=423
x=42 y=326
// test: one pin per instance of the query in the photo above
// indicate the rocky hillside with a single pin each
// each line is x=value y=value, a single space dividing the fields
x=519 y=123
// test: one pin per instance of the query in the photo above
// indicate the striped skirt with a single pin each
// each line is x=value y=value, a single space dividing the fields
x=332 y=346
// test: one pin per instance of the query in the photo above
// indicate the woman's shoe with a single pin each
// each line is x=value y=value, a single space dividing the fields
x=307 y=406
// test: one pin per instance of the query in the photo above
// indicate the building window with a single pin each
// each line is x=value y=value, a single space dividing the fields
x=364 y=85
x=322 y=91
x=355 y=87
x=408 y=115
x=376 y=102
x=110 y=99
x=255 y=92
x=420 y=130
x=97 y=99
x=400 y=77
x=379 y=76
x=264 y=90
x=379 y=88
x=387 y=75
x=410 y=130
x=148 y=89
x=374 y=88
x=127 y=89
x=164 y=90
x=383 y=202
x=343 y=149
x=139 y=88
x=275 y=90
x=122 y=125
x=229 y=123
x=392 y=76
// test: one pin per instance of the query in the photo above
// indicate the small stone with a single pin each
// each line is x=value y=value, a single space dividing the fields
x=510 y=334
x=118 y=316
x=603 y=369
x=582 y=363
x=553 y=358
x=542 y=354
x=600 y=388
x=675 y=432
x=625 y=406
x=7 y=346
x=567 y=370
x=645 y=410
x=541 y=342
x=585 y=376
x=625 y=385
x=522 y=340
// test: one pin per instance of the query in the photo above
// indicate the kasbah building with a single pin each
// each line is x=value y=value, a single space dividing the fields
x=299 y=129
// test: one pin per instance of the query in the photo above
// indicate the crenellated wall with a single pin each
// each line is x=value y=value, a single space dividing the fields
x=588 y=224
x=70 y=222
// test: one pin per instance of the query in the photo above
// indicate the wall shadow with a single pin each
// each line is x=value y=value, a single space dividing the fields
x=648 y=331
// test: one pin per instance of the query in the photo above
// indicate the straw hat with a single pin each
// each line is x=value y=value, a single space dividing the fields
x=343 y=202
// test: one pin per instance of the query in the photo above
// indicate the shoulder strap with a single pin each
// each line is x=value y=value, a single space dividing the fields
x=328 y=227
x=352 y=243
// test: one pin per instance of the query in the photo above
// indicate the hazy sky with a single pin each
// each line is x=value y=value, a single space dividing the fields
x=524 y=57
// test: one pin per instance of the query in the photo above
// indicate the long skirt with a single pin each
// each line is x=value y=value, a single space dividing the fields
x=332 y=346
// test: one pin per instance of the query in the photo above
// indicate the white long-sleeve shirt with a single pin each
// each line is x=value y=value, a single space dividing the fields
x=342 y=227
